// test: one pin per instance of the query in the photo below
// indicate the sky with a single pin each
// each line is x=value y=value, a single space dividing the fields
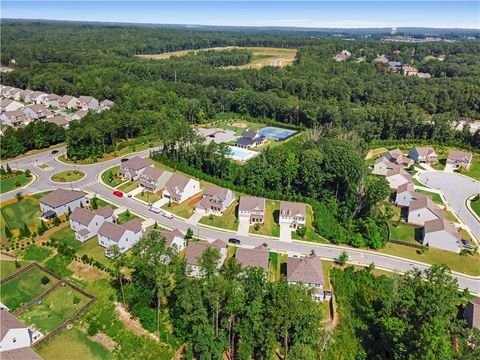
x=342 y=14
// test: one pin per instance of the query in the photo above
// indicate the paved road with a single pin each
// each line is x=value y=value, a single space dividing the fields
x=456 y=189
x=89 y=183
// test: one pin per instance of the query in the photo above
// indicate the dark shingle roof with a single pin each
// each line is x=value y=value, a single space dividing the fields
x=61 y=197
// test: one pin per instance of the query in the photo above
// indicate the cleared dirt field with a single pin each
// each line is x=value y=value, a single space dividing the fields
x=262 y=56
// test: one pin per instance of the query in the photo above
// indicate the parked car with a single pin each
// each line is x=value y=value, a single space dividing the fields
x=54 y=152
x=129 y=195
x=466 y=245
x=123 y=159
x=155 y=209
x=234 y=241
x=118 y=193
x=167 y=214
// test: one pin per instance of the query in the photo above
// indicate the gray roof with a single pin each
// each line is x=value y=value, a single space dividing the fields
x=441 y=224
x=252 y=258
x=293 y=208
x=460 y=155
x=104 y=212
x=425 y=202
x=172 y=234
x=400 y=171
x=216 y=191
x=61 y=197
x=245 y=141
x=176 y=183
x=153 y=172
x=8 y=322
x=85 y=99
x=24 y=353
x=57 y=120
x=134 y=225
x=305 y=269
x=195 y=250
x=249 y=134
x=136 y=163
x=115 y=232
x=82 y=216
x=250 y=203
x=424 y=151
x=406 y=187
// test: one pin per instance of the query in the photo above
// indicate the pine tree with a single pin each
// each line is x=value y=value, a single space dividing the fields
x=26 y=230
x=9 y=170
x=8 y=233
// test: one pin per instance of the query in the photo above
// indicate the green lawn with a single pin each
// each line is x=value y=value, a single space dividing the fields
x=184 y=209
x=41 y=194
x=112 y=176
x=58 y=264
x=270 y=225
x=464 y=264
x=66 y=236
x=149 y=197
x=474 y=170
x=56 y=308
x=68 y=176
x=72 y=341
x=128 y=186
x=476 y=205
x=275 y=265
x=26 y=211
x=449 y=216
x=7 y=268
x=36 y=253
x=416 y=182
x=24 y=288
x=13 y=182
x=228 y=220
x=123 y=218
x=102 y=203
x=435 y=197
x=402 y=232
x=93 y=249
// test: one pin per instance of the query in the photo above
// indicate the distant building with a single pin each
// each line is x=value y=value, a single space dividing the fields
x=408 y=70
x=342 y=56
x=59 y=120
x=68 y=102
x=249 y=139
x=14 y=118
x=37 y=111
x=88 y=103
x=10 y=105
x=381 y=59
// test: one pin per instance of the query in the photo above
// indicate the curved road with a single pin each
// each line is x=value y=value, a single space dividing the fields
x=90 y=184
x=457 y=189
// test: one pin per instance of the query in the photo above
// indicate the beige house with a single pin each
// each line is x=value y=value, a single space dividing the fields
x=252 y=208
x=382 y=166
x=37 y=97
x=52 y=100
x=342 y=56
x=14 y=118
x=10 y=105
x=459 y=159
x=134 y=167
x=88 y=103
x=292 y=213
x=423 y=209
x=58 y=120
x=307 y=271
x=154 y=179
x=397 y=177
x=68 y=102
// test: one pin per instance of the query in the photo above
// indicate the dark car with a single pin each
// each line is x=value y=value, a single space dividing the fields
x=124 y=159
x=54 y=152
x=234 y=241
x=466 y=245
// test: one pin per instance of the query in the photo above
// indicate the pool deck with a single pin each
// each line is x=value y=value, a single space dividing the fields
x=236 y=152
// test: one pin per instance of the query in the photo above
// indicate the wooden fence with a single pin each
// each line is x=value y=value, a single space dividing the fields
x=405 y=243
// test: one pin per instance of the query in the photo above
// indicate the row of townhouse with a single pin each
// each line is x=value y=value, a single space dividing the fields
x=418 y=209
x=23 y=115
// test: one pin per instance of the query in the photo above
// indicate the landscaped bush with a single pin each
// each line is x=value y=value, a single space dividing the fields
x=45 y=280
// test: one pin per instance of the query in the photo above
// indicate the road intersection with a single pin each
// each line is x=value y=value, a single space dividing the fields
x=92 y=183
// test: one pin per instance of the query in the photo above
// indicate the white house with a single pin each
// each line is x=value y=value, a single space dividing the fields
x=307 y=271
x=88 y=102
x=5 y=90
x=252 y=208
x=397 y=177
x=423 y=209
x=124 y=236
x=153 y=179
x=105 y=105
x=59 y=201
x=24 y=96
x=459 y=159
x=423 y=155
x=195 y=250
x=215 y=200
x=175 y=238
x=134 y=167
x=441 y=234
x=10 y=105
x=16 y=338
x=86 y=223
x=180 y=188
x=292 y=213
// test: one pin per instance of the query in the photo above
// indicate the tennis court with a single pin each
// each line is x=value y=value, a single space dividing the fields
x=276 y=133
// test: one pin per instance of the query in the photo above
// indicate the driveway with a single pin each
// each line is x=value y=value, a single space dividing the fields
x=456 y=189
x=195 y=218
x=243 y=226
x=285 y=232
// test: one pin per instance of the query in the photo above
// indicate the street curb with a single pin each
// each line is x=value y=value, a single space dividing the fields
x=469 y=207
x=67 y=182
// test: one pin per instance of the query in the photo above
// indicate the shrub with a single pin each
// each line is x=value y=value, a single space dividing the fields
x=44 y=280
x=301 y=231
x=76 y=300
x=256 y=226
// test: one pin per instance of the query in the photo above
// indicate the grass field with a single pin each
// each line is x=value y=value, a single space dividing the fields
x=270 y=225
x=464 y=264
x=24 y=288
x=41 y=194
x=476 y=205
x=58 y=264
x=36 y=253
x=262 y=56
x=66 y=236
x=68 y=176
x=94 y=250
x=184 y=209
x=72 y=341
x=7 y=268
x=275 y=265
x=128 y=186
x=56 y=308
x=123 y=218
x=10 y=183
x=102 y=203
x=374 y=153
x=16 y=214
x=402 y=232
x=228 y=220
x=148 y=196
x=474 y=170
x=112 y=176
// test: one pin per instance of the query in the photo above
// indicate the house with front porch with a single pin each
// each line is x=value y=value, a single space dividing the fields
x=215 y=200
x=134 y=167
x=252 y=208
x=85 y=223
x=292 y=213
x=153 y=179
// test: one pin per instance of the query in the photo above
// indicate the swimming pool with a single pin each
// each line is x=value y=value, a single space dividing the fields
x=242 y=154
x=276 y=133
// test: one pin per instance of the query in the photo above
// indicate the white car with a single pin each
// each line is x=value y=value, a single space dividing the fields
x=167 y=214
x=155 y=209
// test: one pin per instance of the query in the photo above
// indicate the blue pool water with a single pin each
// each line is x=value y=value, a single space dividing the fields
x=242 y=154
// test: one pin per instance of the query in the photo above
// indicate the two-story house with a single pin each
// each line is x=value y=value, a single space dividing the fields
x=88 y=103
x=10 y=105
x=215 y=200
x=85 y=223
x=154 y=179
x=256 y=257
x=423 y=155
x=406 y=194
x=124 y=236
x=180 y=188
x=422 y=210
x=252 y=208
x=459 y=159
x=195 y=250
x=59 y=201
x=134 y=167
x=382 y=166
x=52 y=100
x=14 y=118
x=307 y=271
x=397 y=177
x=37 y=97
x=37 y=111
x=68 y=102
x=292 y=213
x=175 y=238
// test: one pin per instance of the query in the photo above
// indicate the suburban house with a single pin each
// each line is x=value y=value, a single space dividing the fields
x=441 y=234
x=406 y=194
x=14 y=118
x=24 y=96
x=124 y=236
x=397 y=176
x=342 y=56
x=215 y=200
x=422 y=210
x=37 y=97
x=79 y=115
x=180 y=188
x=423 y=155
x=105 y=105
x=292 y=213
x=307 y=271
x=382 y=166
x=134 y=167
x=253 y=208
x=14 y=94
x=153 y=179
x=381 y=59
x=175 y=238
x=88 y=103
x=195 y=250
x=86 y=223
x=10 y=105
x=58 y=120
x=16 y=338
x=52 y=100
x=249 y=139
x=68 y=102
x=4 y=90
x=408 y=70
x=472 y=313
x=396 y=156
x=257 y=257
x=459 y=159
x=59 y=201
x=37 y=111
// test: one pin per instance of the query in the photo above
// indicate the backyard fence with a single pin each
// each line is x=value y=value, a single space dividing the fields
x=409 y=244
